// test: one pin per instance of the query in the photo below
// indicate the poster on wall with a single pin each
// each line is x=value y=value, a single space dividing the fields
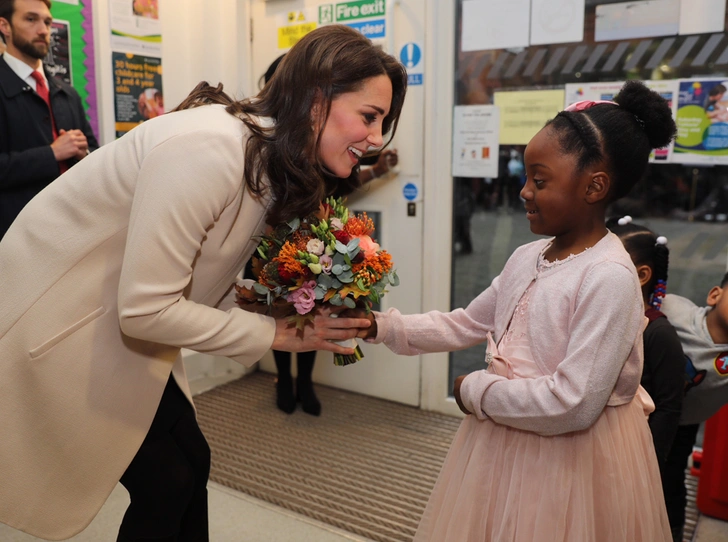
x=58 y=60
x=138 y=92
x=475 y=141
x=576 y=92
x=72 y=51
x=365 y=16
x=292 y=26
x=523 y=113
x=135 y=26
x=702 y=122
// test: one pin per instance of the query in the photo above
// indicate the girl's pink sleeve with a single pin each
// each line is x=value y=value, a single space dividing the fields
x=437 y=331
x=603 y=330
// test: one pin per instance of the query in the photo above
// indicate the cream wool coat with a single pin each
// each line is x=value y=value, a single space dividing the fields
x=105 y=275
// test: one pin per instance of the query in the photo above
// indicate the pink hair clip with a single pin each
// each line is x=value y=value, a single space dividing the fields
x=586 y=104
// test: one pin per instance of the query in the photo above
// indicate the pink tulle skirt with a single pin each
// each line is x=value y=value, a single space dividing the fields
x=500 y=484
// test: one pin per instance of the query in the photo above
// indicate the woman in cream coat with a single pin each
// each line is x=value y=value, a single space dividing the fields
x=130 y=256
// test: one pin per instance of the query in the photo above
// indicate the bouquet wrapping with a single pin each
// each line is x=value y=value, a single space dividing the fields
x=328 y=257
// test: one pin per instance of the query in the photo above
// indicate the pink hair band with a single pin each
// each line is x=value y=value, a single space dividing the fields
x=586 y=104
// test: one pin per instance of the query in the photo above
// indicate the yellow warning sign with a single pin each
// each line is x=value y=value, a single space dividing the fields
x=288 y=36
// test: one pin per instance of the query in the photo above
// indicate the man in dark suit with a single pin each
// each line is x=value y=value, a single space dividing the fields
x=43 y=126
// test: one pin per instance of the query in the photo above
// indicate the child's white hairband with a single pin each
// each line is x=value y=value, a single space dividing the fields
x=624 y=220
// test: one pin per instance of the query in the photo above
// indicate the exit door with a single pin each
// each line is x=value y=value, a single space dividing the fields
x=395 y=200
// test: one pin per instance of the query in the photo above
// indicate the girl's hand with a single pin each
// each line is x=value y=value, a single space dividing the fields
x=319 y=335
x=456 y=393
x=368 y=333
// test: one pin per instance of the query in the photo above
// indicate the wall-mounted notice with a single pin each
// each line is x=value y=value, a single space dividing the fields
x=702 y=122
x=135 y=26
x=523 y=113
x=701 y=16
x=631 y=20
x=668 y=89
x=557 y=21
x=495 y=24
x=293 y=25
x=58 y=60
x=366 y=16
x=137 y=90
x=475 y=141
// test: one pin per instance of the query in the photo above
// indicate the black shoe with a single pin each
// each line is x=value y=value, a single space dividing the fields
x=305 y=394
x=285 y=400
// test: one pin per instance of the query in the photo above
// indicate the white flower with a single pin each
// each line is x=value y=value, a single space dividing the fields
x=315 y=246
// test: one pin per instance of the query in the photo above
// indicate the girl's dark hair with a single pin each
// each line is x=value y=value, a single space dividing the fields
x=621 y=135
x=643 y=248
x=326 y=63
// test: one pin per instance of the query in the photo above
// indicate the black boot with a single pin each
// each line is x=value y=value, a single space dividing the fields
x=304 y=386
x=285 y=399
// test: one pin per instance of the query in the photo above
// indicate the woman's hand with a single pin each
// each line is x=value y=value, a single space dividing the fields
x=456 y=393
x=387 y=160
x=319 y=335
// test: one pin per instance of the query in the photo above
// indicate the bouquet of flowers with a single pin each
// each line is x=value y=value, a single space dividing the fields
x=328 y=257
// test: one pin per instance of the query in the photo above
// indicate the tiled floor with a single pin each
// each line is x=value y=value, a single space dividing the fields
x=235 y=517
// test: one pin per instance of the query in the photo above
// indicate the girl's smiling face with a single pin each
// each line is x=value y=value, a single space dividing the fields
x=354 y=125
x=554 y=190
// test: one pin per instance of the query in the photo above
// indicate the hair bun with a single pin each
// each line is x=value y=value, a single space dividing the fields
x=651 y=109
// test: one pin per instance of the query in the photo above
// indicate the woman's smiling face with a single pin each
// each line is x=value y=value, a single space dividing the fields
x=354 y=125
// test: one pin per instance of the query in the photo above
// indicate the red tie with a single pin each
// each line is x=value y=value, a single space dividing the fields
x=42 y=90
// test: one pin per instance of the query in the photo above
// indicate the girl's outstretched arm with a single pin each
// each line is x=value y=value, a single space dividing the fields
x=605 y=331
x=437 y=331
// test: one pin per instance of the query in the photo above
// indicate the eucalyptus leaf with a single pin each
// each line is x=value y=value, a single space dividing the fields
x=341 y=247
x=337 y=269
x=349 y=302
x=354 y=243
x=260 y=289
x=336 y=300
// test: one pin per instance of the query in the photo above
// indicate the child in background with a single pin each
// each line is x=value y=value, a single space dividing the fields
x=703 y=332
x=557 y=447
x=663 y=373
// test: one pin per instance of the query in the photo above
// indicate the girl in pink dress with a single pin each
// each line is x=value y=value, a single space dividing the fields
x=557 y=446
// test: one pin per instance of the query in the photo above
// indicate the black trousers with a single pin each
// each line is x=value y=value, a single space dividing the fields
x=674 y=479
x=167 y=479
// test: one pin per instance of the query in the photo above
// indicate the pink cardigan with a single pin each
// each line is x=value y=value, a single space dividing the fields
x=585 y=324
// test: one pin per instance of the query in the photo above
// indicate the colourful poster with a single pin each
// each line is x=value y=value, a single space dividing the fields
x=137 y=90
x=72 y=47
x=702 y=122
x=58 y=60
x=576 y=92
x=135 y=26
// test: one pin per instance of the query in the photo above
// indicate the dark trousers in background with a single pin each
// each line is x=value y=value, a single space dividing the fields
x=674 y=480
x=167 y=479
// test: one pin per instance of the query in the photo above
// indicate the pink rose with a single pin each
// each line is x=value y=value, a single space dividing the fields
x=336 y=224
x=326 y=263
x=304 y=298
x=368 y=246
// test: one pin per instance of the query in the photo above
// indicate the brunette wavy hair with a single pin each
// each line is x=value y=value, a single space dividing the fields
x=326 y=63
